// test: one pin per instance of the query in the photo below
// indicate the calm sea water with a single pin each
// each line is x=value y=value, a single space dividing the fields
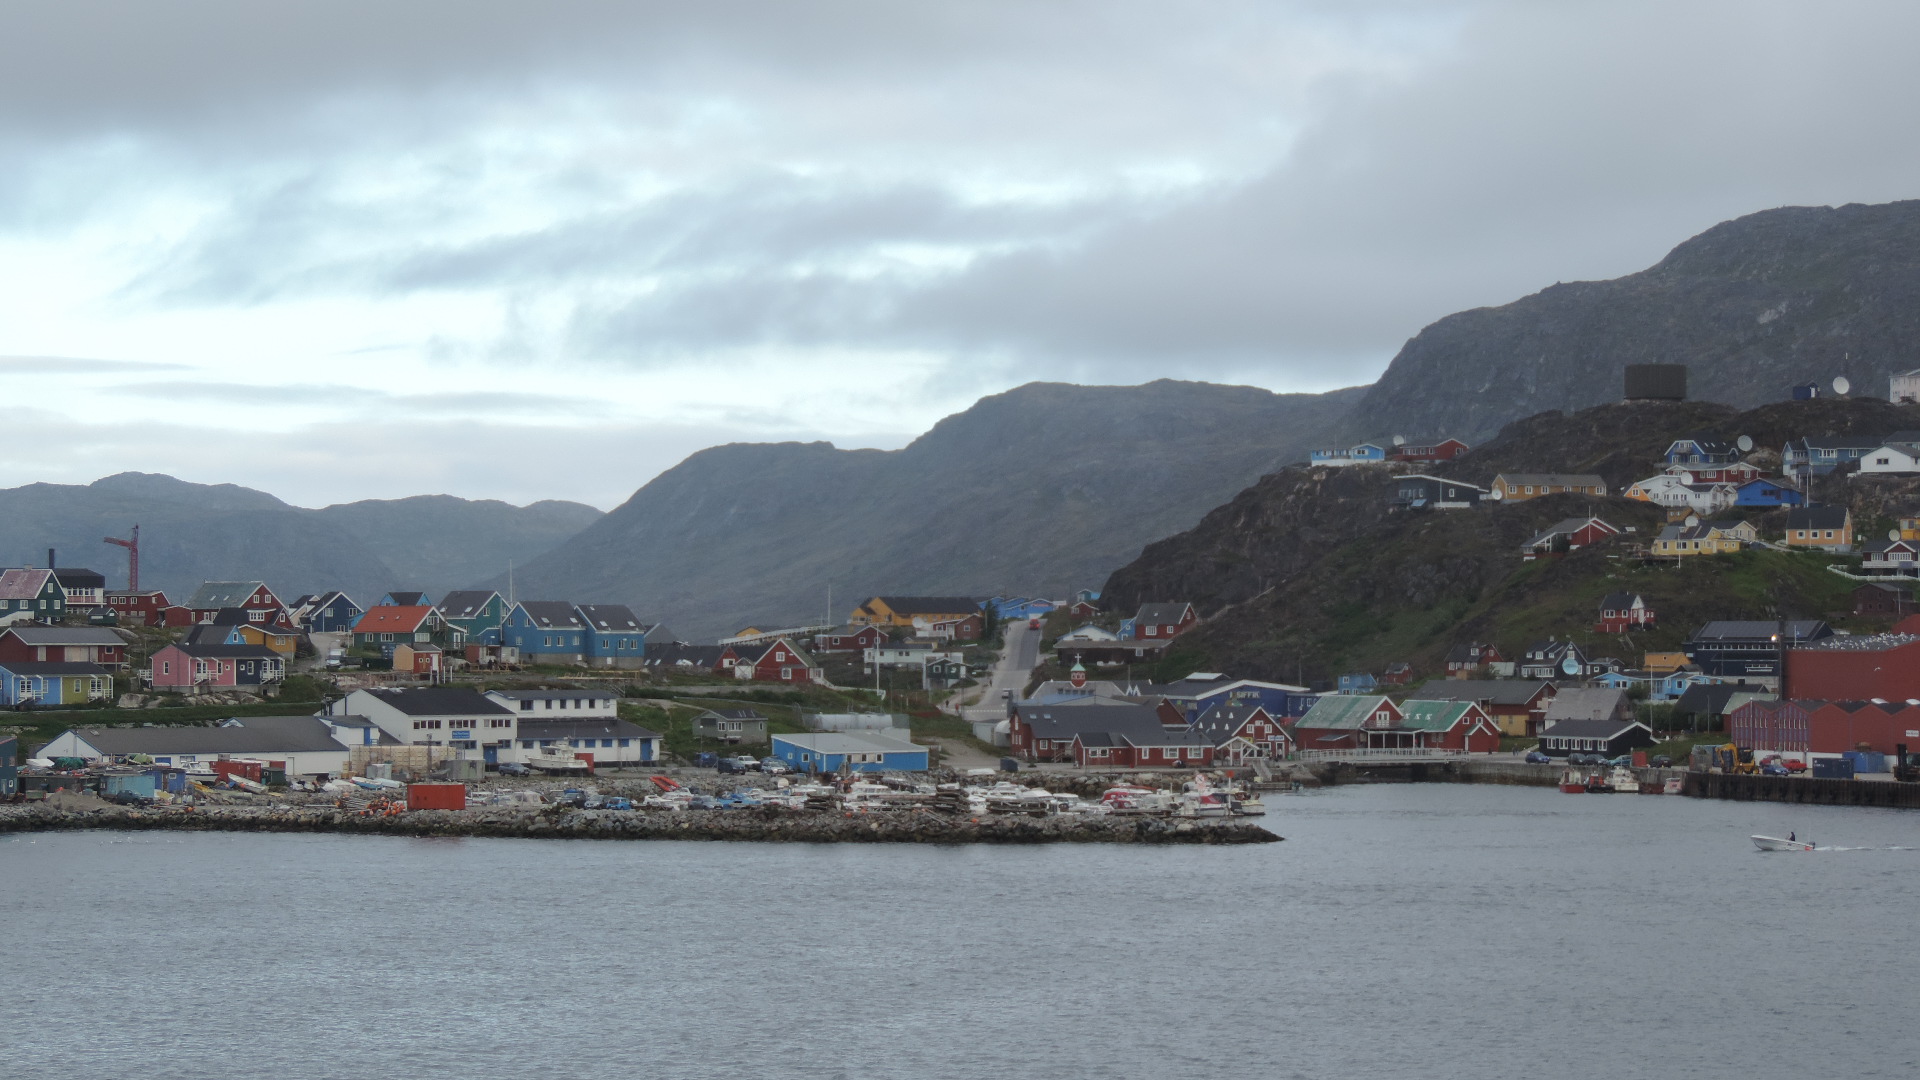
x=1401 y=931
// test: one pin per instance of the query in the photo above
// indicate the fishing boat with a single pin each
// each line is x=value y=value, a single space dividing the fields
x=1622 y=779
x=1573 y=782
x=1775 y=843
x=557 y=759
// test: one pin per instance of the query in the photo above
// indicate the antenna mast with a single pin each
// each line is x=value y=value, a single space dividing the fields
x=133 y=557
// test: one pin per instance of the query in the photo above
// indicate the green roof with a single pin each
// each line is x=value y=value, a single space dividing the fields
x=1342 y=712
x=1432 y=715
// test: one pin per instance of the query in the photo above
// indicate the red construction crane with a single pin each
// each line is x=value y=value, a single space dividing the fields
x=133 y=557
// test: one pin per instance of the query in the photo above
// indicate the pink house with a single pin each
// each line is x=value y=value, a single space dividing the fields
x=207 y=667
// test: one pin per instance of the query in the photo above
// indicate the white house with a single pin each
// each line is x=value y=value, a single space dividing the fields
x=306 y=745
x=557 y=704
x=1899 y=454
x=1672 y=490
x=911 y=654
x=433 y=716
x=609 y=741
x=1904 y=388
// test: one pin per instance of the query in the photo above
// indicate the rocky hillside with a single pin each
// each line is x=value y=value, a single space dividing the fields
x=1752 y=305
x=1044 y=489
x=1307 y=574
x=195 y=532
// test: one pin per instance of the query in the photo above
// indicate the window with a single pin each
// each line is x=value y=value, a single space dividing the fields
x=606 y=742
x=625 y=742
x=786 y=673
x=1152 y=631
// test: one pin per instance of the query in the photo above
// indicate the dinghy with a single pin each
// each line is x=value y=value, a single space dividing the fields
x=1775 y=843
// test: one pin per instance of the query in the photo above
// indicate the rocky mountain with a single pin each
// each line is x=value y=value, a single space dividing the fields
x=1307 y=573
x=1752 y=306
x=1042 y=489
x=195 y=532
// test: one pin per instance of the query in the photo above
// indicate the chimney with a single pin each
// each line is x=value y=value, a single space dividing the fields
x=50 y=562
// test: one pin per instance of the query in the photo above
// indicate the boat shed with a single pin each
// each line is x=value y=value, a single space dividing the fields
x=836 y=751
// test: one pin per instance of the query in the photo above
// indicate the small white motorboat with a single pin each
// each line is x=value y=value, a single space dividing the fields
x=1775 y=843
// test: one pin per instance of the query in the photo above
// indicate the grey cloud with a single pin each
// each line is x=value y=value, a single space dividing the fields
x=367 y=401
x=78 y=365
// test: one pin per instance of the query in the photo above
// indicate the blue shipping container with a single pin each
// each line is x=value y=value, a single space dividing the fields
x=1833 y=768
x=1867 y=761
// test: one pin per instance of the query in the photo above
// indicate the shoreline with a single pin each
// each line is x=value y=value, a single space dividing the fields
x=771 y=825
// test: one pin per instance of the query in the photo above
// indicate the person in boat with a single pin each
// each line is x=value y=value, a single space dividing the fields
x=1792 y=837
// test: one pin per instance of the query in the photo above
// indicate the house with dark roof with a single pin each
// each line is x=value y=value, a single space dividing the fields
x=1700 y=450
x=27 y=594
x=779 y=660
x=84 y=589
x=607 y=742
x=1750 y=648
x=1825 y=528
x=1519 y=487
x=476 y=613
x=1882 y=599
x=331 y=612
x=1568 y=534
x=384 y=626
x=70 y=644
x=1046 y=732
x=1607 y=737
x=1518 y=706
x=558 y=704
x=849 y=638
x=546 y=632
x=1897 y=557
x=913 y=611
x=280 y=639
x=1463 y=659
x=1417 y=491
x=1159 y=621
x=34 y=684
x=404 y=598
x=434 y=716
x=1621 y=612
x=680 y=656
x=1241 y=733
x=306 y=745
x=202 y=668
x=146 y=608
x=259 y=601
x=1554 y=659
x=615 y=636
x=734 y=725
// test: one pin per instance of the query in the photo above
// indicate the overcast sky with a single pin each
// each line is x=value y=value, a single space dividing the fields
x=352 y=249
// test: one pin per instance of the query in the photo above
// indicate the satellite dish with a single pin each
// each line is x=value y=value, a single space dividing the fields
x=1399 y=440
x=1841 y=385
x=1570 y=665
x=1893 y=534
x=1744 y=443
x=1692 y=520
x=1495 y=495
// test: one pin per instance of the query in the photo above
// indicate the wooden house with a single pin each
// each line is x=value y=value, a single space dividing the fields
x=146 y=609
x=545 y=632
x=1827 y=528
x=615 y=636
x=64 y=644
x=1621 y=612
x=1419 y=492
x=1243 y=733
x=1444 y=450
x=1611 y=738
x=907 y=610
x=1569 y=534
x=731 y=726
x=35 y=684
x=1340 y=456
x=1463 y=660
x=201 y=668
x=1164 y=620
x=1898 y=456
x=1519 y=487
x=1351 y=722
x=1517 y=707
x=332 y=612
x=1450 y=725
x=1899 y=557
x=261 y=605
x=1554 y=659
x=779 y=660
x=1703 y=538
x=849 y=639
x=1883 y=599
x=384 y=627
x=31 y=594
x=1700 y=450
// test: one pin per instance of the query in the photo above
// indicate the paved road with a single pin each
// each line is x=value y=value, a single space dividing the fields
x=1015 y=666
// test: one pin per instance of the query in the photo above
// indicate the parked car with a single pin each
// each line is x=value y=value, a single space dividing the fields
x=747 y=763
x=773 y=766
x=728 y=765
x=1535 y=757
x=514 y=768
x=1624 y=761
x=1661 y=762
x=706 y=759
x=1775 y=767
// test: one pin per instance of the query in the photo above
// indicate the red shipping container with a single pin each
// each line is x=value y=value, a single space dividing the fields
x=248 y=769
x=436 y=796
x=1639 y=759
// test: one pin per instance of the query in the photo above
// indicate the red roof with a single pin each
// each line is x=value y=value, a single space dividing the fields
x=392 y=620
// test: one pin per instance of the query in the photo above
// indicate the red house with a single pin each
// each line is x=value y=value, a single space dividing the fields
x=1570 y=534
x=61 y=644
x=1083 y=609
x=1242 y=733
x=1398 y=673
x=1621 y=612
x=1047 y=732
x=1159 y=621
x=850 y=639
x=777 y=661
x=147 y=609
x=1463 y=660
x=1444 y=450
x=1450 y=725
x=966 y=628
x=1856 y=668
x=261 y=605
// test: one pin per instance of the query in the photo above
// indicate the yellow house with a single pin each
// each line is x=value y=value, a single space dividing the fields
x=279 y=641
x=1708 y=538
x=1910 y=528
x=1828 y=528
x=904 y=610
x=1519 y=487
x=1664 y=663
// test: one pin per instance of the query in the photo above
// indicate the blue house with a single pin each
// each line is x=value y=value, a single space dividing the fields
x=32 y=684
x=405 y=599
x=615 y=637
x=1766 y=493
x=546 y=631
x=1201 y=691
x=478 y=613
x=1361 y=683
x=836 y=751
x=1821 y=456
x=1364 y=454
x=326 y=613
x=1020 y=608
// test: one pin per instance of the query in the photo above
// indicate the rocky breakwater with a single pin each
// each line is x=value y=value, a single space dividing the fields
x=559 y=822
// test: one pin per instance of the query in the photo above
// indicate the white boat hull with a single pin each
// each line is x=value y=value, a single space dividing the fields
x=1775 y=843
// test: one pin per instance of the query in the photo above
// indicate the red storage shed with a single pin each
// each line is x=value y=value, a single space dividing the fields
x=436 y=796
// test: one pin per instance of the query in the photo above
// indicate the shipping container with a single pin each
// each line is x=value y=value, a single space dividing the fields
x=248 y=769
x=138 y=785
x=436 y=796
x=1868 y=761
x=1833 y=768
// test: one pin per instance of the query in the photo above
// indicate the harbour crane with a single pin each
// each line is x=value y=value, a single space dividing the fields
x=133 y=557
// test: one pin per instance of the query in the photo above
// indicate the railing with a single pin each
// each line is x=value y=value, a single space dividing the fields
x=1377 y=753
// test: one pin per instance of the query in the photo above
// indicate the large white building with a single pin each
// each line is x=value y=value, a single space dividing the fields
x=432 y=716
x=309 y=746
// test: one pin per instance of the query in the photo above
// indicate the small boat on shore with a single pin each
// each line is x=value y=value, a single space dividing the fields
x=1621 y=779
x=1573 y=782
x=1775 y=843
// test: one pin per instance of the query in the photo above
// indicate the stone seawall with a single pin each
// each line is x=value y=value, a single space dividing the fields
x=811 y=827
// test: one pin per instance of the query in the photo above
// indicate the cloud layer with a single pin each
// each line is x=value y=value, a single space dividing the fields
x=623 y=223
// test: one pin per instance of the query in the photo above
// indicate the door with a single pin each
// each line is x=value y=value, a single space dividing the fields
x=492 y=754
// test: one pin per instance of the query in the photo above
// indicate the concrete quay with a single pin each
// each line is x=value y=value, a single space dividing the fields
x=759 y=825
